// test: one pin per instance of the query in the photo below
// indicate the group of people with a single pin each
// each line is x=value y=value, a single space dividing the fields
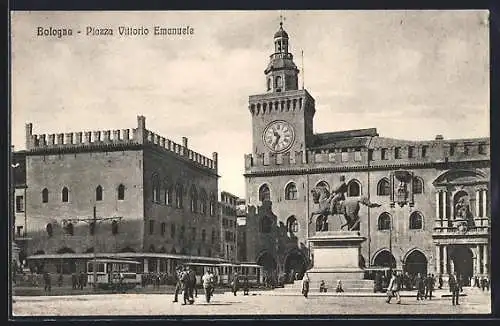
x=482 y=283
x=186 y=283
x=423 y=283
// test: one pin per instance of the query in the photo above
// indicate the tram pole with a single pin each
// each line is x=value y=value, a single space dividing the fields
x=94 y=269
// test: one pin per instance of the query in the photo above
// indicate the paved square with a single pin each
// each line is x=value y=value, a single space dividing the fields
x=476 y=302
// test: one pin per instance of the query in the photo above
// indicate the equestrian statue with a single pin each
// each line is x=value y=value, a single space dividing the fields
x=336 y=204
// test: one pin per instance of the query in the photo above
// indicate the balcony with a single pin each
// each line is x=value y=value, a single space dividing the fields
x=461 y=227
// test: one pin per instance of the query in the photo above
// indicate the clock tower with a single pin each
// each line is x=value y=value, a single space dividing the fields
x=282 y=118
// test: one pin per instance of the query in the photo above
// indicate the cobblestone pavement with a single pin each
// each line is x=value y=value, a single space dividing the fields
x=476 y=302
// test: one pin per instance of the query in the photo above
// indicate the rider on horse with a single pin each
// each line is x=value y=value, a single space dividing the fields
x=337 y=195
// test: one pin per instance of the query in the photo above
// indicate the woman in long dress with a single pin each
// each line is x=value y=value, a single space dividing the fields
x=305 y=285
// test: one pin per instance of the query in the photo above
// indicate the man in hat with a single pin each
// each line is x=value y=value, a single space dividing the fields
x=178 y=282
x=338 y=194
x=234 y=284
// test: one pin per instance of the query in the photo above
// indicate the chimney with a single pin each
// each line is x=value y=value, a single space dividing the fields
x=214 y=158
x=29 y=135
x=439 y=137
x=141 y=122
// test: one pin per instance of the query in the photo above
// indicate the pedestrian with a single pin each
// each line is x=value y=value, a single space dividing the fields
x=322 y=286
x=235 y=284
x=393 y=288
x=440 y=282
x=454 y=289
x=186 y=286
x=60 y=280
x=207 y=285
x=339 y=288
x=486 y=283
x=47 y=281
x=427 y=283
x=246 y=285
x=305 y=285
x=419 y=284
x=73 y=281
x=178 y=283
x=82 y=280
x=476 y=281
x=483 y=283
x=432 y=282
x=193 y=292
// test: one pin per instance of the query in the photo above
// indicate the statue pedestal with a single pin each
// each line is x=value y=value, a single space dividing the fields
x=336 y=257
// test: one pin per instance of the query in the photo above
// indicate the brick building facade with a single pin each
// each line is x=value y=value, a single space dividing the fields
x=423 y=187
x=159 y=196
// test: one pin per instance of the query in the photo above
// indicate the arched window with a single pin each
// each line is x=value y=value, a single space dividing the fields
x=50 y=230
x=114 y=227
x=151 y=227
x=264 y=193
x=45 y=195
x=278 y=82
x=203 y=204
x=416 y=221
x=353 y=188
x=65 y=195
x=121 y=192
x=69 y=228
x=269 y=84
x=383 y=188
x=163 y=228
x=168 y=195
x=156 y=188
x=98 y=193
x=178 y=196
x=182 y=232
x=292 y=225
x=323 y=184
x=194 y=200
x=214 y=236
x=212 y=205
x=291 y=191
x=418 y=185
x=266 y=224
x=384 y=221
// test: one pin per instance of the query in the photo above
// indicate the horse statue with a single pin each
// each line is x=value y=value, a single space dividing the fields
x=349 y=208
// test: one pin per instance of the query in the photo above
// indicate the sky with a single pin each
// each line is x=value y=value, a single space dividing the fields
x=410 y=74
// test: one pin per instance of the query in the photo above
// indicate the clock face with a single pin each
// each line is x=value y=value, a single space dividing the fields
x=278 y=136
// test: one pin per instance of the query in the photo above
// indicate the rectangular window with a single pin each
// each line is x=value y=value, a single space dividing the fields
x=411 y=151
x=424 y=150
x=357 y=155
x=163 y=228
x=151 y=226
x=397 y=152
x=193 y=234
x=370 y=155
x=452 y=149
x=19 y=204
x=344 y=155
x=482 y=149
x=213 y=237
x=383 y=153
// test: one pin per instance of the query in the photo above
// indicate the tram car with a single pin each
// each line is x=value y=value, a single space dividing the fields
x=253 y=272
x=113 y=273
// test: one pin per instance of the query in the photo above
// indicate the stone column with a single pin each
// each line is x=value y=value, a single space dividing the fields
x=445 y=260
x=485 y=204
x=158 y=265
x=452 y=266
x=443 y=208
x=437 y=205
x=146 y=265
x=478 y=203
x=477 y=260
x=437 y=260
x=485 y=259
x=169 y=265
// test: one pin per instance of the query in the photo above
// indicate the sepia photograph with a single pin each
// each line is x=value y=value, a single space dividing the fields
x=249 y=163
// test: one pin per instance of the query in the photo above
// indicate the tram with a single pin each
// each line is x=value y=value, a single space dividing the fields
x=113 y=273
